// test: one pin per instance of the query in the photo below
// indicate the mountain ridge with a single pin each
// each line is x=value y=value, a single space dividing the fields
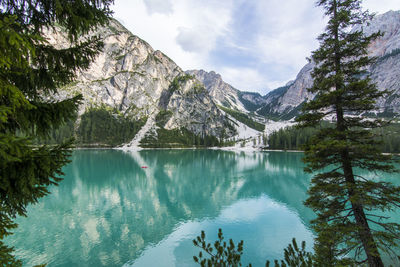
x=384 y=72
x=131 y=78
x=285 y=102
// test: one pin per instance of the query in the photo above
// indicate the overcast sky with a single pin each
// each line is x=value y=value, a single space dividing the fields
x=256 y=45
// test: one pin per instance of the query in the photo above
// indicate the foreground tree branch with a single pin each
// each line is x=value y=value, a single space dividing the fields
x=31 y=71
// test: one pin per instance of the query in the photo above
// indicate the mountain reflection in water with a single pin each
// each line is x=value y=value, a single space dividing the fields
x=109 y=211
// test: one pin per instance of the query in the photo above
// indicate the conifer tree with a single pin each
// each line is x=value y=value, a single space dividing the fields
x=30 y=71
x=346 y=202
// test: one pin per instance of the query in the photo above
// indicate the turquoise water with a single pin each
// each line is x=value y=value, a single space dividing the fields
x=109 y=211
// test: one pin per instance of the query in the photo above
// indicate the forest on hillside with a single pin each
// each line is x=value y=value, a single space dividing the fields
x=293 y=138
x=106 y=127
x=98 y=127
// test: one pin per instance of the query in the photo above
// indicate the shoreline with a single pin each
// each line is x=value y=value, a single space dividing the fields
x=233 y=149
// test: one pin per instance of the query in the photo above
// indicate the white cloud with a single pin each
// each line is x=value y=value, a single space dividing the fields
x=246 y=79
x=187 y=31
x=381 y=6
x=289 y=32
x=267 y=52
x=158 y=6
x=199 y=39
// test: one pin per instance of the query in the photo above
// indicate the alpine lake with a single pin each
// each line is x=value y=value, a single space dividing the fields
x=144 y=208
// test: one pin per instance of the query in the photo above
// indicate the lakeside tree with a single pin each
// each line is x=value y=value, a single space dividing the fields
x=31 y=70
x=346 y=203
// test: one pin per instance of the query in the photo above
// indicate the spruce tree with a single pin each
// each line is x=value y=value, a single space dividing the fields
x=31 y=70
x=346 y=202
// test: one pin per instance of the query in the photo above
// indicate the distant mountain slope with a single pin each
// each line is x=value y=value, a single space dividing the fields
x=285 y=102
x=222 y=93
x=385 y=72
x=132 y=79
x=225 y=94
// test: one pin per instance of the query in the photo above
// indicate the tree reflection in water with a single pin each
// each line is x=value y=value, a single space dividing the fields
x=109 y=211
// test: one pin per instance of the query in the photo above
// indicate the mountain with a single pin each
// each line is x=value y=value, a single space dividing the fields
x=225 y=94
x=222 y=93
x=131 y=80
x=284 y=103
x=385 y=72
x=136 y=96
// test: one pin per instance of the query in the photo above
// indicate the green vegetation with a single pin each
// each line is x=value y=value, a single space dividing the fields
x=291 y=138
x=162 y=117
x=58 y=135
x=393 y=53
x=348 y=206
x=106 y=127
x=99 y=127
x=346 y=203
x=175 y=84
x=31 y=71
x=179 y=138
x=267 y=112
x=294 y=138
x=102 y=127
x=198 y=88
x=248 y=104
x=243 y=118
x=223 y=254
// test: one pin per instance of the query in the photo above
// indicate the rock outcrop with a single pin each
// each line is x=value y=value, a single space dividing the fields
x=385 y=72
x=226 y=95
x=129 y=76
x=222 y=93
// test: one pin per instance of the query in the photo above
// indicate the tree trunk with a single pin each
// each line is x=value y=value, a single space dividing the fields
x=365 y=235
x=368 y=242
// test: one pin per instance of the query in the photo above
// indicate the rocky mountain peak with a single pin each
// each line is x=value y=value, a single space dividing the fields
x=132 y=78
x=384 y=72
x=222 y=93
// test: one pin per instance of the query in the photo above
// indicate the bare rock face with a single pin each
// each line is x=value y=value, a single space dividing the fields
x=222 y=93
x=226 y=95
x=385 y=72
x=128 y=75
x=131 y=77
x=297 y=91
x=285 y=102
x=193 y=108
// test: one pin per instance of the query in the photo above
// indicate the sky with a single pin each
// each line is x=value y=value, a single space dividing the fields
x=256 y=45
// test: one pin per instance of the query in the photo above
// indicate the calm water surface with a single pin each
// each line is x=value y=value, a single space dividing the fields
x=109 y=211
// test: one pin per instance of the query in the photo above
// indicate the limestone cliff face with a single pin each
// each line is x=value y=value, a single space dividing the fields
x=296 y=93
x=385 y=73
x=193 y=108
x=131 y=77
x=222 y=93
x=128 y=75
x=225 y=94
